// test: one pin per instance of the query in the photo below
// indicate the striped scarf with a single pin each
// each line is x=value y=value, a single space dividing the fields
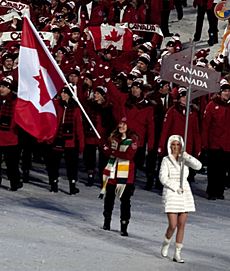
x=117 y=168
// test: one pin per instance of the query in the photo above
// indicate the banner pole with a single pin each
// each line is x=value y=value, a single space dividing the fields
x=188 y=98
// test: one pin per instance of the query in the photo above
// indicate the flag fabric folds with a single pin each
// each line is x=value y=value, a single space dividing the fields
x=40 y=79
x=105 y=35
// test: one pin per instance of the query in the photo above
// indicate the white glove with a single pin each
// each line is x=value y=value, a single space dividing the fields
x=114 y=145
x=105 y=148
x=180 y=191
x=185 y=155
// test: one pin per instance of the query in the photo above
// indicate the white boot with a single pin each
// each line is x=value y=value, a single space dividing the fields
x=165 y=247
x=177 y=256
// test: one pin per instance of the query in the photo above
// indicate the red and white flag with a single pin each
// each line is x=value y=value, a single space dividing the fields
x=105 y=35
x=40 y=79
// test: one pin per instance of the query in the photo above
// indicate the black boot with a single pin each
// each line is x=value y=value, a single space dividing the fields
x=179 y=9
x=215 y=38
x=20 y=184
x=15 y=185
x=211 y=39
x=106 y=225
x=72 y=188
x=184 y=3
x=124 y=226
x=149 y=183
x=195 y=39
x=90 y=180
x=54 y=186
x=25 y=176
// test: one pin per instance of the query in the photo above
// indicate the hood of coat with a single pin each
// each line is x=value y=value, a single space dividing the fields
x=174 y=138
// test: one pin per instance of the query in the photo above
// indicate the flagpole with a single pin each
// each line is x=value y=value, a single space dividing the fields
x=188 y=98
x=62 y=75
x=83 y=110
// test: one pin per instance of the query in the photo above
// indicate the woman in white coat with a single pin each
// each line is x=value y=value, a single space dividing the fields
x=178 y=201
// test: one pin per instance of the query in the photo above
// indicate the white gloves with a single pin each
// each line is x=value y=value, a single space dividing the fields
x=186 y=156
x=180 y=191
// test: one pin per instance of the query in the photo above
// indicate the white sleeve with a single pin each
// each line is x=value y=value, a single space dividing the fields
x=191 y=161
x=164 y=176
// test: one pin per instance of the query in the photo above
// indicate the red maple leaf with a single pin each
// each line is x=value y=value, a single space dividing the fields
x=44 y=94
x=113 y=36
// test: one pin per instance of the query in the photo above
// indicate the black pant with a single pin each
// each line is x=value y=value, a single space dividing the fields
x=53 y=159
x=151 y=163
x=158 y=184
x=26 y=144
x=218 y=161
x=11 y=157
x=125 y=207
x=212 y=21
x=179 y=8
x=139 y=158
x=165 y=18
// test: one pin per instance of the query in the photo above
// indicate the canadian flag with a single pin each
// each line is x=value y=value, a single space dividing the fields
x=40 y=79
x=105 y=35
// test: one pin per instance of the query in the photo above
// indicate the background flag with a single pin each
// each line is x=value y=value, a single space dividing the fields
x=105 y=35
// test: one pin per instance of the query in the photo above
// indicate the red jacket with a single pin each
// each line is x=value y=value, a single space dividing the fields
x=96 y=18
x=174 y=124
x=155 y=11
x=139 y=115
x=203 y=3
x=118 y=100
x=102 y=119
x=123 y=63
x=129 y=16
x=77 y=133
x=160 y=109
x=141 y=13
x=148 y=76
x=8 y=132
x=216 y=125
x=5 y=73
x=140 y=120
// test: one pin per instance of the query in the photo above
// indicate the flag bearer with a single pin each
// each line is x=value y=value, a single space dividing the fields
x=68 y=141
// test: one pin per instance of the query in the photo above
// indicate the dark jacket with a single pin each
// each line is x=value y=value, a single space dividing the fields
x=8 y=131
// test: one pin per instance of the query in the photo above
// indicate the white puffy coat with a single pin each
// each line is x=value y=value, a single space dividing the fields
x=170 y=178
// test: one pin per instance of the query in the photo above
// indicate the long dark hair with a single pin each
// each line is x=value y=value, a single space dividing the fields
x=118 y=136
